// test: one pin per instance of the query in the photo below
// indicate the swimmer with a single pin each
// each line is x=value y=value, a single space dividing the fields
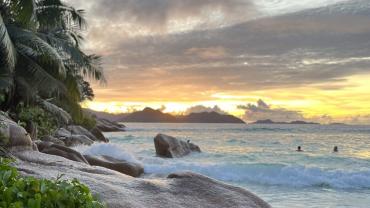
x=299 y=149
x=335 y=149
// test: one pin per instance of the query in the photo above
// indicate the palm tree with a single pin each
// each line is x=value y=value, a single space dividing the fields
x=40 y=54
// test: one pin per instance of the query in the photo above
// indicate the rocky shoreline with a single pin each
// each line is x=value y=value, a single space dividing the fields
x=114 y=180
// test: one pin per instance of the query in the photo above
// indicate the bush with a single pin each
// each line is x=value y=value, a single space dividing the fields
x=86 y=121
x=46 y=123
x=22 y=192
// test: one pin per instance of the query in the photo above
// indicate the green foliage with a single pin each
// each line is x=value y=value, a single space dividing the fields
x=40 y=53
x=22 y=192
x=4 y=140
x=46 y=123
x=85 y=121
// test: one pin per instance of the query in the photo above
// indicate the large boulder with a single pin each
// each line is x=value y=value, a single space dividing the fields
x=79 y=130
x=99 y=135
x=76 y=140
x=168 y=146
x=105 y=125
x=78 y=136
x=59 y=150
x=181 y=190
x=122 y=166
x=12 y=135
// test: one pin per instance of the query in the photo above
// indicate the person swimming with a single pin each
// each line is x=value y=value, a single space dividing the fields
x=299 y=149
x=335 y=149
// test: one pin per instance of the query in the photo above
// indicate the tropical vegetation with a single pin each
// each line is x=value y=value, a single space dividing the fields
x=44 y=76
x=19 y=192
x=41 y=60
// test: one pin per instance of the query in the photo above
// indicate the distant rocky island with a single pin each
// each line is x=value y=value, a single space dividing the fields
x=269 y=121
x=149 y=115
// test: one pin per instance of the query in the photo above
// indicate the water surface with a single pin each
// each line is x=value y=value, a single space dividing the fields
x=262 y=159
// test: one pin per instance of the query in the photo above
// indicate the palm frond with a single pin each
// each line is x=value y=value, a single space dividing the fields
x=43 y=52
x=93 y=68
x=7 y=51
x=7 y=57
x=54 y=13
x=24 y=12
x=38 y=79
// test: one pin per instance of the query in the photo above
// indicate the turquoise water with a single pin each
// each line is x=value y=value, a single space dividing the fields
x=262 y=159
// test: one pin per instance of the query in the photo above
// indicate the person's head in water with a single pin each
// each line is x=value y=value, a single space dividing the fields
x=335 y=149
x=299 y=149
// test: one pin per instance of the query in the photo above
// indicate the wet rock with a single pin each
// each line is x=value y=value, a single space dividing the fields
x=122 y=166
x=170 y=147
x=99 y=135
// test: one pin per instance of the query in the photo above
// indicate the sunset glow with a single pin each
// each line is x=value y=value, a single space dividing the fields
x=216 y=54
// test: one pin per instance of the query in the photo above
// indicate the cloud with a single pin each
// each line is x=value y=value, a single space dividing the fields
x=162 y=108
x=207 y=53
x=262 y=111
x=320 y=47
x=201 y=108
x=171 y=15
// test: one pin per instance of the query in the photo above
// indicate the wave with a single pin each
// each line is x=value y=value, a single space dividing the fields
x=254 y=173
x=270 y=174
x=113 y=150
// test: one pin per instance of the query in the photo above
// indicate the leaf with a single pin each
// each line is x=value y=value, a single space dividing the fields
x=24 y=12
x=7 y=57
x=43 y=53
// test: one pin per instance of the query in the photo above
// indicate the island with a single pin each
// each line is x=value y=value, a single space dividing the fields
x=149 y=115
x=269 y=121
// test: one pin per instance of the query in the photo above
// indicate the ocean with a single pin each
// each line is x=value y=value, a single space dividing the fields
x=262 y=159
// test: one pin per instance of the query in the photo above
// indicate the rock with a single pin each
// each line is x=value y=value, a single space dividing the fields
x=76 y=140
x=105 y=125
x=12 y=135
x=117 y=190
x=122 y=166
x=62 y=133
x=167 y=146
x=59 y=150
x=75 y=135
x=53 y=140
x=79 y=130
x=99 y=135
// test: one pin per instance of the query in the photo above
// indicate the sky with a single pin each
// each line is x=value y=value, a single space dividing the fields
x=256 y=59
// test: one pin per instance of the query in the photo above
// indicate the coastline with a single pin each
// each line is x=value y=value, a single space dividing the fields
x=184 y=189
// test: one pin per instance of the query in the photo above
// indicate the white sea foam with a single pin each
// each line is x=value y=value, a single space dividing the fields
x=268 y=174
x=113 y=150
x=255 y=173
